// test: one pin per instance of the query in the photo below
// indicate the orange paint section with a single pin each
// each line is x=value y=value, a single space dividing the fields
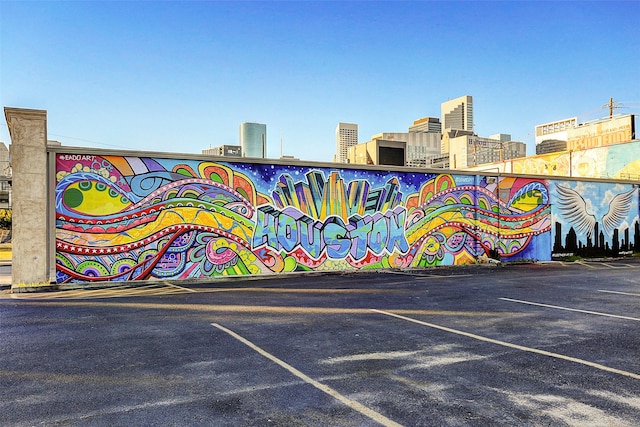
x=121 y=164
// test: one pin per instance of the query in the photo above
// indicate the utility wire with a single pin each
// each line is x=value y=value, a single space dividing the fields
x=86 y=140
x=80 y=139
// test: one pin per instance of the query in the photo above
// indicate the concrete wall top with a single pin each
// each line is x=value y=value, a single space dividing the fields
x=309 y=163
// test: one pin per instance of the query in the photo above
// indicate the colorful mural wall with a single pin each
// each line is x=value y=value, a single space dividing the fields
x=593 y=219
x=141 y=218
x=619 y=161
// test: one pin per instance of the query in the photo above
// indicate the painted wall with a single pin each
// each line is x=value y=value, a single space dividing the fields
x=594 y=219
x=619 y=161
x=140 y=218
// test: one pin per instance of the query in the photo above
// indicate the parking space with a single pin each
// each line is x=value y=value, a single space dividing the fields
x=552 y=344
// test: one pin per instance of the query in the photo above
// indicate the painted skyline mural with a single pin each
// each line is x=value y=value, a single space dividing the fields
x=143 y=218
x=595 y=219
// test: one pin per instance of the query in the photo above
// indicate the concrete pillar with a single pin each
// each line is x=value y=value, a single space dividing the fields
x=30 y=239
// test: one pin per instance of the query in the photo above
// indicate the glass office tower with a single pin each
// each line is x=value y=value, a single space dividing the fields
x=253 y=139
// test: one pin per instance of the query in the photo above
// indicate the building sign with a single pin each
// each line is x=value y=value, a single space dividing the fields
x=610 y=131
x=488 y=143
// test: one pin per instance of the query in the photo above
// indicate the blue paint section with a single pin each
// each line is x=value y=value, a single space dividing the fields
x=290 y=229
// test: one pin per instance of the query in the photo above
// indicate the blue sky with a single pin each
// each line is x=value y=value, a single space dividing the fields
x=182 y=76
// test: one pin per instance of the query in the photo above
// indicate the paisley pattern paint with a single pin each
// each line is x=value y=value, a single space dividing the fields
x=142 y=218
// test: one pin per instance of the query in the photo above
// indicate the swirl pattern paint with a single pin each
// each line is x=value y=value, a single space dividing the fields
x=139 y=218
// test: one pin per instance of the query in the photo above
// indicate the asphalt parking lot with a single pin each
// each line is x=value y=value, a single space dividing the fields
x=520 y=345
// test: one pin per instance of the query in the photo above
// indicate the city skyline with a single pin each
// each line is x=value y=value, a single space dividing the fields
x=177 y=77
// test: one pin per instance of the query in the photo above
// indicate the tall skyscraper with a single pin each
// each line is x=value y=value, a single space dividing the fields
x=346 y=136
x=457 y=114
x=253 y=139
x=426 y=124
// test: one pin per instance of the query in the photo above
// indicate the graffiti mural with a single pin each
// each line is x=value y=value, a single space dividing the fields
x=619 y=161
x=141 y=218
x=595 y=219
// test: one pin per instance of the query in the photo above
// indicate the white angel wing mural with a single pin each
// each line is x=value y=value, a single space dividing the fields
x=618 y=210
x=574 y=208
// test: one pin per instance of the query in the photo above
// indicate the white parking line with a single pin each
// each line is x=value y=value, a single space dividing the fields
x=588 y=265
x=598 y=266
x=182 y=288
x=515 y=346
x=159 y=288
x=376 y=416
x=597 y=313
x=408 y=273
x=619 y=293
x=616 y=266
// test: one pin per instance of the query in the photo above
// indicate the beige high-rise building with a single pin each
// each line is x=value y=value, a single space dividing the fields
x=419 y=145
x=5 y=177
x=379 y=152
x=457 y=114
x=346 y=136
x=426 y=124
x=470 y=150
